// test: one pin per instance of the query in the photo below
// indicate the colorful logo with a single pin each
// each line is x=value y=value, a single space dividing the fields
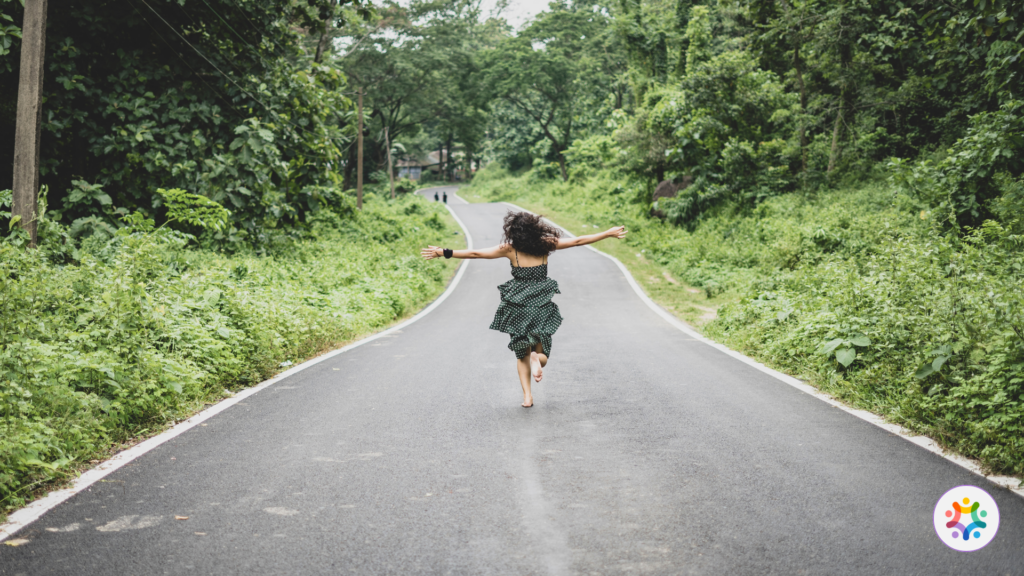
x=966 y=518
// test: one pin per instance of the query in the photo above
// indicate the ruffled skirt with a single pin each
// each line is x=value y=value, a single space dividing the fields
x=527 y=314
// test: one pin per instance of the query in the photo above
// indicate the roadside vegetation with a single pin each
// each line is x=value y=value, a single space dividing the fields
x=853 y=290
x=835 y=188
x=111 y=339
x=198 y=220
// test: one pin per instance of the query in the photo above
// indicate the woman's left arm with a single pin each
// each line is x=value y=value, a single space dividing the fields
x=618 y=232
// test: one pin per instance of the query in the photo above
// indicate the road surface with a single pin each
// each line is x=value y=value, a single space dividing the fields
x=648 y=452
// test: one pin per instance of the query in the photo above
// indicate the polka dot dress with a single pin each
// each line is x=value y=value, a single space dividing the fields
x=526 y=311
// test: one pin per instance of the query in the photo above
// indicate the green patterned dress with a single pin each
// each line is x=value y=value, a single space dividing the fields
x=526 y=311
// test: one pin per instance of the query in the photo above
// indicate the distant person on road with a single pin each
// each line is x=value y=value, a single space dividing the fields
x=526 y=312
x=435 y=197
x=445 y=197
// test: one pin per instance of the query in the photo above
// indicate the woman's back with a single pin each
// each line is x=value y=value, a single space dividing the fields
x=524 y=260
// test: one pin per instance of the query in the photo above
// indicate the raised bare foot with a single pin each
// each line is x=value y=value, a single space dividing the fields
x=535 y=367
x=530 y=400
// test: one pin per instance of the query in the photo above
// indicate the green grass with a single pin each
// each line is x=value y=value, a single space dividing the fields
x=141 y=331
x=855 y=291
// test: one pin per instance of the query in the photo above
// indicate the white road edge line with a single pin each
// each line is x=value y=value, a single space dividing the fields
x=925 y=442
x=25 y=516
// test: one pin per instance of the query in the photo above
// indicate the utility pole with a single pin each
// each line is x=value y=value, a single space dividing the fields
x=391 y=173
x=359 y=155
x=27 y=130
x=440 y=161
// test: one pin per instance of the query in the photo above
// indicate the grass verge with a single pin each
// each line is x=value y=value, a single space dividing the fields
x=853 y=290
x=142 y=330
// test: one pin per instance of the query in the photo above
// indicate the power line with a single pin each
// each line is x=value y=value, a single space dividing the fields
x=201 y=55
x=230 y=61
x=246 y=42
x=246 y=18
x=237 y=85
x=182 y=58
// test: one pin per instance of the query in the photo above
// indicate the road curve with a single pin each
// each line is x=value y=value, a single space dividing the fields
x=647 y=452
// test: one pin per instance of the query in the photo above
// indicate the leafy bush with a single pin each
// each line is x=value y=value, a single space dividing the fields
x=404 y=186
x=964 y=186
x=717 y=126
x=922 y=329
x=138 y=330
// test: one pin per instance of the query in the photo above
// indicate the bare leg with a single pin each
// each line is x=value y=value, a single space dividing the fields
x=523 y=367
x=537 y=362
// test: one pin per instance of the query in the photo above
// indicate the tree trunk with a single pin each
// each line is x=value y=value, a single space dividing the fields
x=391 y=173
x=834 y=154
x=845 y=58
x=359 y=155
x=321 y=46
x=440 y=161
x=325 y=37
x=803 y=109
x=27 y=131
x=803 y=92
x=448 y=160
x=561 y=164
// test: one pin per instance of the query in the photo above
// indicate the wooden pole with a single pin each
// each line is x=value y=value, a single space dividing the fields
x=440 y=161
x=28 y=125
x=359 y=155
x=391 y=173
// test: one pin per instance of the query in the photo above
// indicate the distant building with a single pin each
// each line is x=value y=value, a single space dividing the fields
x=413 y=167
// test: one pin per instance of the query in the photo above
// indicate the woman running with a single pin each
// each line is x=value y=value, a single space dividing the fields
x=526 y=312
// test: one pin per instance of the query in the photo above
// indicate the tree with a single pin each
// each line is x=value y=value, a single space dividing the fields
x=552 y=74
x=219 y=98
x=30 y=100
x=417 y=65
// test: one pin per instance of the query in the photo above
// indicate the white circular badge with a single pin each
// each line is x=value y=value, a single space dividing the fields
x=966 y=518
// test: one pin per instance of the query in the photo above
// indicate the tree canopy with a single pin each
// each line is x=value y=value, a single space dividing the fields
x=250 y=102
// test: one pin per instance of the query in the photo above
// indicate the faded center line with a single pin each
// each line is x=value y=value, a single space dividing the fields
x=550 y=542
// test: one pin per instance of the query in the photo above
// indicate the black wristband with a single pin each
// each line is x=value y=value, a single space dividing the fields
x=447 y=253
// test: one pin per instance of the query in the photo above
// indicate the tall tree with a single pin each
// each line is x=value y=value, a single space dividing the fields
x=217 y=97
x=417 y=65
x=547 y=72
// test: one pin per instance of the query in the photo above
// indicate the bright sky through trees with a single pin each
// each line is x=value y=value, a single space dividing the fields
x=518 y=11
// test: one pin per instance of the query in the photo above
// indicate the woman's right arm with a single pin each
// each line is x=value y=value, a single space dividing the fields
x=431 y=252
x=618 y=232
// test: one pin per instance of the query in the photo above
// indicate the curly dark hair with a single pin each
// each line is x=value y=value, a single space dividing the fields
x=529 y=234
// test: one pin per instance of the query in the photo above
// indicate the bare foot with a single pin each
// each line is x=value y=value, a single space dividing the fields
x=535 y=367
x=530 y=400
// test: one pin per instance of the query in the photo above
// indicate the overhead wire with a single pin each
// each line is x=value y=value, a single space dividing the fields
x=230 y=27
x=247 y=43
x=229 y=79
x=216 y=91
x=246 y=18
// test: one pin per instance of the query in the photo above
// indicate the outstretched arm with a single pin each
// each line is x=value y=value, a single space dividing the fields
x=618 y=232
x=431 y=252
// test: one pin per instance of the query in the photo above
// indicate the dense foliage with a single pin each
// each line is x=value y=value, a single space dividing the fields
x=416 y=62
x=742 y=100
x=219 y=98
x=553 y=73
x=141 y=330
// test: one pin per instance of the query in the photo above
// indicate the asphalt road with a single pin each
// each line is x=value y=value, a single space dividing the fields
x=647 y=452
